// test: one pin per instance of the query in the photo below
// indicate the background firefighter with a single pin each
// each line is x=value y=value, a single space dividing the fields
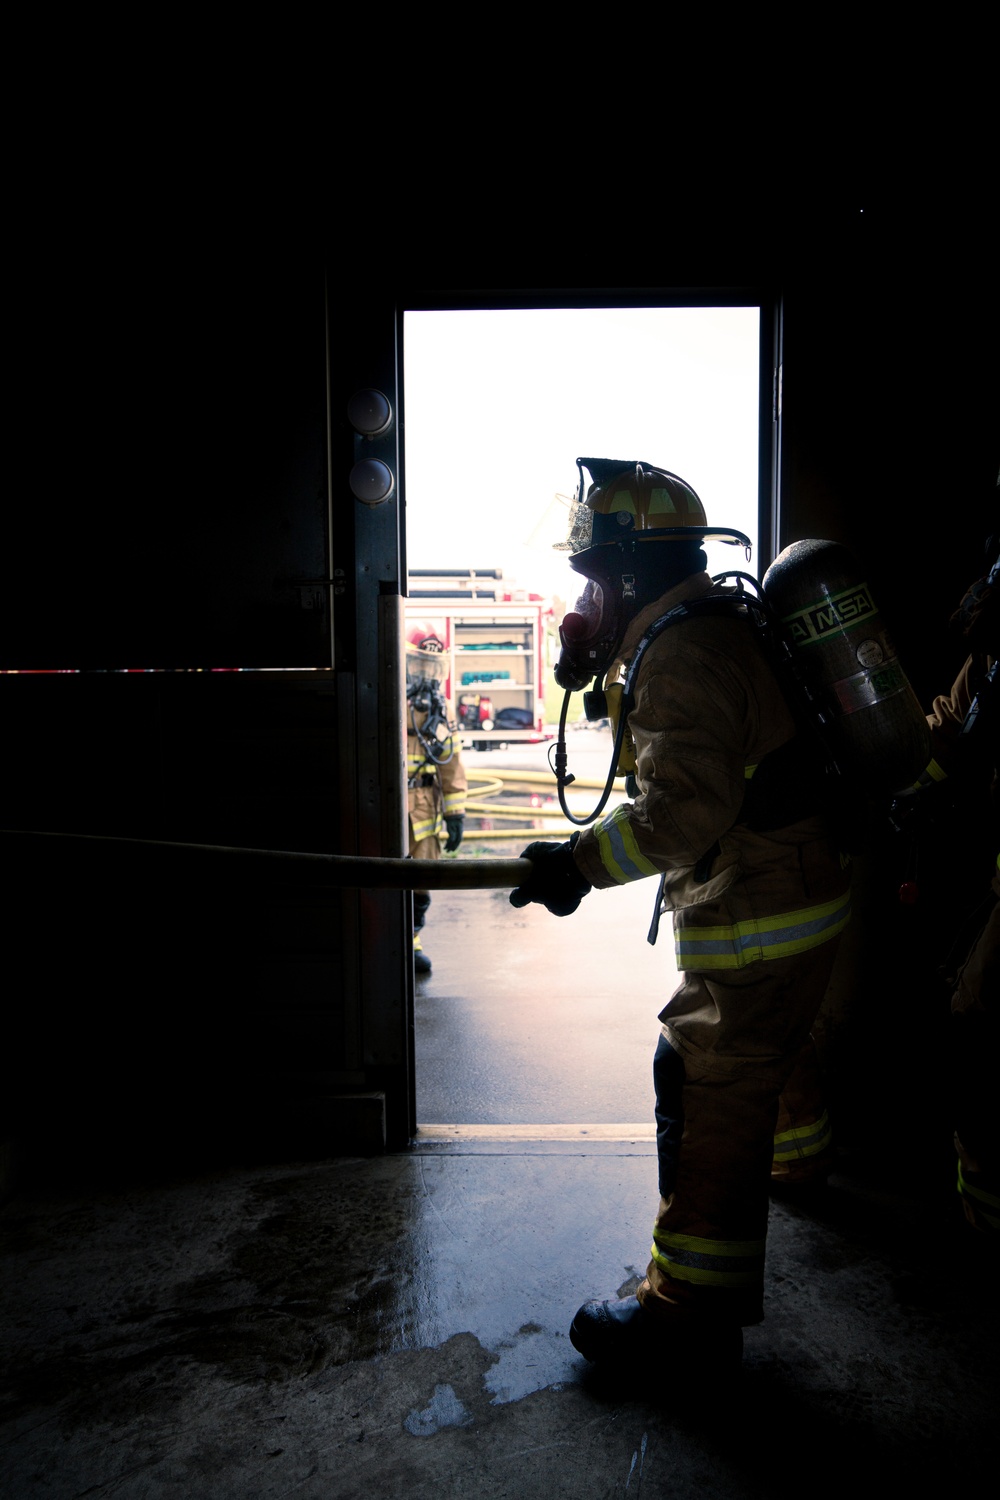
x=953 y=816
x=436 y=781
x=758 y=889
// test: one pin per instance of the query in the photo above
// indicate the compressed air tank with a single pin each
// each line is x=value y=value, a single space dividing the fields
x=842 y=652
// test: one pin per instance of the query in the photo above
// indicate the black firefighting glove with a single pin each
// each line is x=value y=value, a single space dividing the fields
x=555 y=881
x=455 y=823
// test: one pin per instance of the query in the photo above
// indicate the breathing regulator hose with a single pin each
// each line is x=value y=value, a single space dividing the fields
x=432 y=704
x=558 y=763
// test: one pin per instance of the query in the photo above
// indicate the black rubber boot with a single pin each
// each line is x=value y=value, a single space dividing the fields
x=622 y=1333
x=421 y=963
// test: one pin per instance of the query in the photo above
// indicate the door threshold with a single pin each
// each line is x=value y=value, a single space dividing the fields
x=619 y=1134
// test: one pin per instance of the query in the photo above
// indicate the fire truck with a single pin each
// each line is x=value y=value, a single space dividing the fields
x=493 y=636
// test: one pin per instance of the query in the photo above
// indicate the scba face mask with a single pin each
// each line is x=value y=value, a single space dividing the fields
x=421 y=684
x=425 y=667
x=588 y=635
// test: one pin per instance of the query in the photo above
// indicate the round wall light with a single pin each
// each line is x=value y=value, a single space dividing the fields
x=371 y=481
x=369 y=413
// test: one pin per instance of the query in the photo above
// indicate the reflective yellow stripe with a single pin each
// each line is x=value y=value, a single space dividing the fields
x=932 y=772
x=425 y=827
x=748 y=942
x=620 y=854
x=419 y=760
x=415 y=763
x=722 y=1263
x=454 y=802
x=804 y=1140
x=985 y=1206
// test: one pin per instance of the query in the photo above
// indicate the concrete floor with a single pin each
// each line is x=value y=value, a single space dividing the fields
x=398 y=1326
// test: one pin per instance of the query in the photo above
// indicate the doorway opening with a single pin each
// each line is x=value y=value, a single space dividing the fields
x=527 y=1022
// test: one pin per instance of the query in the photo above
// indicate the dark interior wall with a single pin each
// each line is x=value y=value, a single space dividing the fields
x=171 y=414
x=178 y=527
x=175 y=518
x=891 y=420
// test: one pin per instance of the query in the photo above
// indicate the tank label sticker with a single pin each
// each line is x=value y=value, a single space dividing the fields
x=837 y=612
x=870 y=654
x=868 y=688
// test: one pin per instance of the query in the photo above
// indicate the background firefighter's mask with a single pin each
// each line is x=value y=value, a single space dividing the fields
x=425 y=669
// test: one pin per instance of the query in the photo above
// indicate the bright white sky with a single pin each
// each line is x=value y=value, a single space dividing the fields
x=499 y=404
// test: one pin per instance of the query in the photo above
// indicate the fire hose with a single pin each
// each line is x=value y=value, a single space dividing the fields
x=364 y=871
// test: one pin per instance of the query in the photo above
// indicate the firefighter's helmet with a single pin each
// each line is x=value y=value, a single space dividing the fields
x=631 y=501
x=613 y=523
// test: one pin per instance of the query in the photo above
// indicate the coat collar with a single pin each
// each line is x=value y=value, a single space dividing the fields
x=694 y=587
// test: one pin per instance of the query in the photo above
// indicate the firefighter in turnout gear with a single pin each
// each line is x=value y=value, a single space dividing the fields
x=436 y=781
x=757 y=887
x=960 y=789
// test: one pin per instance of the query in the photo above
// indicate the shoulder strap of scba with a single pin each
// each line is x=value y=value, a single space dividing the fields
x=791 y=782
x=797 y=780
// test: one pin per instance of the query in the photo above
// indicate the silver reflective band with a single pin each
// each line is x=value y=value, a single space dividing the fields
x=749 y=942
